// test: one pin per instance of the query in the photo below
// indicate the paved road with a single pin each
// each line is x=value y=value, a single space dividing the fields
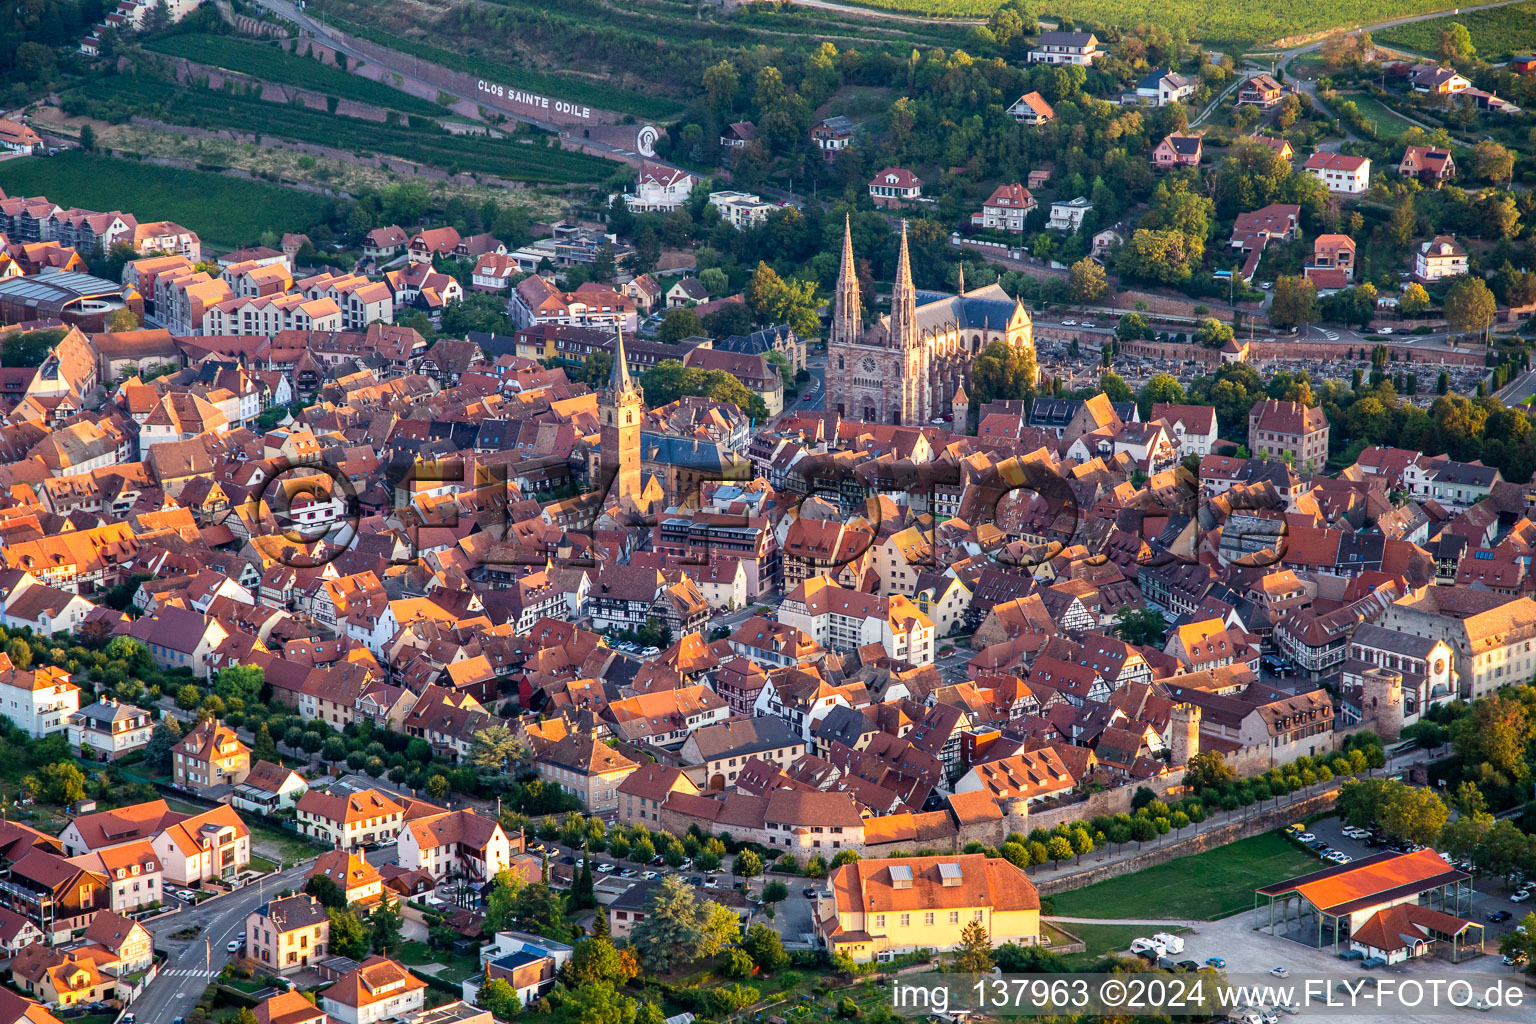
x=191 y=965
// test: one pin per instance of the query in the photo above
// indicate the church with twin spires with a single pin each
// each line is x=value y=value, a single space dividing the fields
x=908 y=366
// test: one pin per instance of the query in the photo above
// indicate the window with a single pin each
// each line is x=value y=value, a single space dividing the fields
x=906 y=920
x=879 y=920
x=928 y=918
x=954 y=917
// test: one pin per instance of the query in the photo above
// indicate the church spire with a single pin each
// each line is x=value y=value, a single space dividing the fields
x=960 y=284
x=618 y=376
x=904 y=330
x=847 y=317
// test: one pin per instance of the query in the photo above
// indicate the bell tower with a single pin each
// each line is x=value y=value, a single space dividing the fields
x=620 y=407
x=847 y=314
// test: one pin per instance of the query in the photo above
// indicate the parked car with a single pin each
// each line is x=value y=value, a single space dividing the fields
x=711 y=882
x=233 y=946
x=1352 y=954
x=1281 y=972
x=627 y=873
x=1305 y=837
x=809 y=892
x=605 y=868
x=1521 y=896
x=694 y=880
x=649 y=876
x=1188 y=965
x=1500 y=916
x=1514 y=960
x=1370 y=963
x=1216 y=961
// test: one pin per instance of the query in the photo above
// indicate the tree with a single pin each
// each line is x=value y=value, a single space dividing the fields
x=775 y=892
x=1492 y=162
x=1295 y=301
x=1469 y=306
x=165 y=736
x=239 y=681
x=1086 y=281
x=1059 y=848
x=1002 y=372
x=437 y=787
x=499 y=997
x=348 y=936
x=123 y=320
x=1207 y=769
x=1413 y=813
x=1404 y=222
x=597 y=960
x=974 y=953
x=1414 y=300
x=188 y=697
x=1456 y=43
x=1131 y=326
x=501 y=904
x=1141 y=626
x=599 y=1003
x=87 y=138
x=765 y=948
x=60 y=783
x=678 y=929
x=747 y=864
x=325 y=889
x=679 y=324
x=1164 y=388
x=265 y=747
x=494 y=748
x=1212 y=333
x=714 y=280
x=737 y=964
x=384 y=926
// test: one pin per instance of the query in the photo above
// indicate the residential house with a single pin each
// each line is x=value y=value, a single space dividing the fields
x=1439 y=258
x=1191 y=427
x=1429 y=164
x=1163 y=87
x=1341 y=174
x=1333 y=259
x=457 y=844
x=739 y=135
x=1260 y=91
x=587 y=768
x=209 y=757
x=1178 y=150
x=38 y=702
x=358 y=880
x=1290 y=431
x=269 y=787
x=1005 y=210
x=1254 y=230
x=659 y=189
x=741 y=209
x=133 y=873
x=894 y=188
x=206 y=846
x=1068 y=214
x=1031 y=108
x=288 y=934
x=110 y=729
x=642 y=794
x=1066 y=48
x=375 y=990
x=832 y=135
x=874 y=908
x=348 y=820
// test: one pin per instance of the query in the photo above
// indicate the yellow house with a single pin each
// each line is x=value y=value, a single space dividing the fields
x=65 y=977
x=875 y=907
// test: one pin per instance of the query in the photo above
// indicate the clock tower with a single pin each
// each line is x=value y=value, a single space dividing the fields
x=620 y=407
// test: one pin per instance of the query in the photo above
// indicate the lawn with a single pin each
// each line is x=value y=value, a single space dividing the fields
x=225 y=212
x=269 y=63
x=1222 y=23
x=440 y=965
x=1389 y=125
x=1200 y=887
x=262 y=864
x=1497 y=32
x=290 y=846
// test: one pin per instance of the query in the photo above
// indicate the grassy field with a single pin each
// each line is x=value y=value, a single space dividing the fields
x=1389 y=125
x=1200 y=887
x=527 y=158
x=1223 y=23
x=226 y=212
x=1496 y=32
x=267 y=62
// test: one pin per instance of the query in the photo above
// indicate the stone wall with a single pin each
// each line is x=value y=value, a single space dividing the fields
x=1221 y=835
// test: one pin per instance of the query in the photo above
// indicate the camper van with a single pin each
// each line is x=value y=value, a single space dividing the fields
x=1171 y=943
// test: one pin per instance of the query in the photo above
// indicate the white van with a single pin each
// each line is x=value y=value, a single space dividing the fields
x=1171 y=943
x=1145 y=945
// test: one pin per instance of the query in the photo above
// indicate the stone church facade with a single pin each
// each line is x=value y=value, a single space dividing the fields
x=907 y=367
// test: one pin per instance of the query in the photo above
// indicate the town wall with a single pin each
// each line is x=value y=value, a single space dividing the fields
x=1200 y=842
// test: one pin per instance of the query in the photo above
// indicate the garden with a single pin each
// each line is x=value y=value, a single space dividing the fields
x=1496 y=32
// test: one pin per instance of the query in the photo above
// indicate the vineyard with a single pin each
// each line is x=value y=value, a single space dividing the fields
x=269 y=63
x=226 y=212
x=1496 y=32
x=577 y=90
x=1221 y=23
x=417 y=139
